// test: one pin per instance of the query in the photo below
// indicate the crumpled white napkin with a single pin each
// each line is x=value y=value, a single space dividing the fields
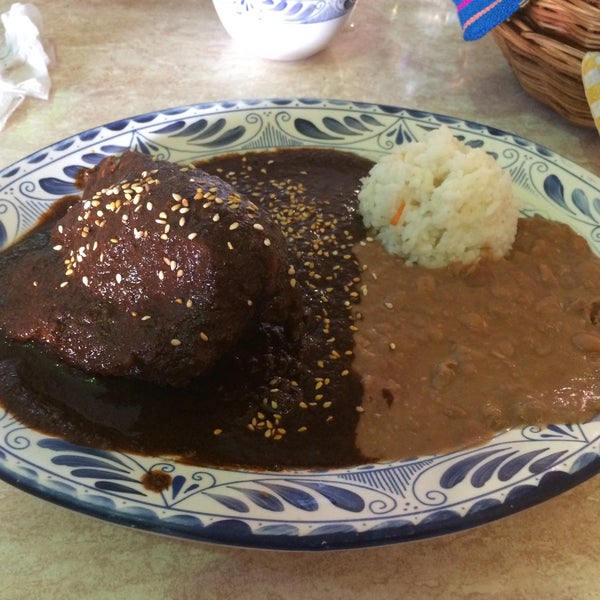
x=24 y=60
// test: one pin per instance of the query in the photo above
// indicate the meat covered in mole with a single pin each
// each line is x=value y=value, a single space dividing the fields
x=156 y=273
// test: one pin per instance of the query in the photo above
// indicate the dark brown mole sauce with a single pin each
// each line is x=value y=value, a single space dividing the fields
x=264 y=407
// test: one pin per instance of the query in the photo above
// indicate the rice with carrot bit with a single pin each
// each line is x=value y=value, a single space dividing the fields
x=438 y=201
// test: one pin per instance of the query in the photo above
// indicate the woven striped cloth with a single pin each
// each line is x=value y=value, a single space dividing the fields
x=478 y=17
x=590 y=73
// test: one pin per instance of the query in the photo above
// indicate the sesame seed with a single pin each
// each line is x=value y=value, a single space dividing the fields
x=175 y=342
x=267 y=242
x=203 y=336
x=192 y=236
x=234 y=226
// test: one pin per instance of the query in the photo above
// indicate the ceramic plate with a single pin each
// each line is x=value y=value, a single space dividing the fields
x=302 y=510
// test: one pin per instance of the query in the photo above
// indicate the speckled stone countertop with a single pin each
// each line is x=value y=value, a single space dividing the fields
x=117 y=59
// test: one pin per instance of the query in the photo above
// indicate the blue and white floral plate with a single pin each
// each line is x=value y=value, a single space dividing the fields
x=302 y=510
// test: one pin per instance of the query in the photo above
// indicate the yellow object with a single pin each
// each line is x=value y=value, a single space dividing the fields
x=590 y=72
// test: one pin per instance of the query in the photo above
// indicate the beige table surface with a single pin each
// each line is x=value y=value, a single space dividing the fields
x=119 y=58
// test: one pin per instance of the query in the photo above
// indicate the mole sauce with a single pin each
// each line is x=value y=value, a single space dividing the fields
x=263 y=406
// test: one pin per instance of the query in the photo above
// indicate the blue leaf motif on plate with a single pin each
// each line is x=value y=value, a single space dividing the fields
x=546 y=462
x=338 y=496
x=88 y=136
x=309 y=129
x=514 y=466
x=228 y=138
x=403 y=136
x=177 y=486
x=78 y=460
x=64 y=145
x=211 y=131
x=208 y=135
x=562 y=431
x=57 y=187
x=92 y=158
x=142 y=147
x=474 y=143
x=58 y=445
x=582 y=203
x=298 y=498
x=179 y=129
x=3 y=235
x=171 y=128
x=485 y=472
x=354 y=123
x=555 y=190
x=460 y=469
x=101 y=474
x=371 y=120
x=72 y=170
x=117 y=125
x=39 y=157
x=11 y=173
x=113 y=149
x=110 y=486
x=337 y=126
x=231 y=503
x=262 y=499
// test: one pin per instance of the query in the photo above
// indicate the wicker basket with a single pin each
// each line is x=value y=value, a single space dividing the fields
x=544 y=43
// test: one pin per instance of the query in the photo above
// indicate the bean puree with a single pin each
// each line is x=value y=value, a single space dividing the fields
x=450 y=356
x=395 y=361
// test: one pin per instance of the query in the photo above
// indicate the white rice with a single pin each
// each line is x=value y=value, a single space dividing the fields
x=439 y=201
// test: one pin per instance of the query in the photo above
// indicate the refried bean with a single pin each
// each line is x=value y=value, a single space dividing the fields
x=449 y=357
